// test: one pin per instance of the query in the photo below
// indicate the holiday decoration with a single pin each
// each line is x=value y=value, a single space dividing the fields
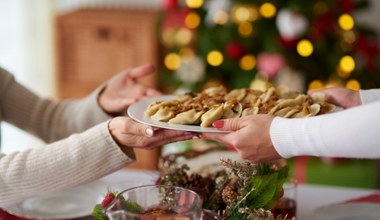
x=318 y=41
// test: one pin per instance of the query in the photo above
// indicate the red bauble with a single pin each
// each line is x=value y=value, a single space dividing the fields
x=288 y=43
x=234 y=50
x=169 y=4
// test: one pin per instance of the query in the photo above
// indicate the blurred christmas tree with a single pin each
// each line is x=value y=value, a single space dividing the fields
x=238 y=43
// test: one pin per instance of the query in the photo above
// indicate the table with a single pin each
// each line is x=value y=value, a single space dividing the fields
x=309 y=197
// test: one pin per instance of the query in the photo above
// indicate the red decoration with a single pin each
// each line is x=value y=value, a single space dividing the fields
x=234 y=50
x=369 y=49
x=269 y=64
x=347 y=6
x=322 y=25
x=169 y=4
x=287 y=42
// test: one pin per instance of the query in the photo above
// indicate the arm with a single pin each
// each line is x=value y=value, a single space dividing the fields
x=51 y=120
x=350 y=133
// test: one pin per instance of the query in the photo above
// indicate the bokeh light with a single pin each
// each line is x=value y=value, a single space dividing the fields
x=347 y=64
x=183 y=36
x=215 y=58
x=172 y=61
x=245 y=29
x=305 y=48
x=316 y=84
x=194 y=3
x=247 y=62
x=346 y=22
x=220 y=17
x=353 y=84
x=267 y=10
x=192 y=20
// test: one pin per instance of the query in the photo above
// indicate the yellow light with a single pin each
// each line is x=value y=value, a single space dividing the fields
x=168 y=37
x=342 y=73
x=183 y=36
x=220 y=17
x=346 y=22
x=214 y=58
x=242 y=13
x=247 y=62
x=347 y=64
x=267 y=10
x=245 y=28
x=316 y=84
x=305 y=48
x=353 y=84
x=172 y=61
x=194 y=3
x=253 y=14
x=192 y=20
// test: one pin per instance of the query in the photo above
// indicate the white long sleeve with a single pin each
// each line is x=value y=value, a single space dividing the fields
x=352 y=133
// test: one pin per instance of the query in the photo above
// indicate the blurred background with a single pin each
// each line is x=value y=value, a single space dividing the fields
x=66 y=48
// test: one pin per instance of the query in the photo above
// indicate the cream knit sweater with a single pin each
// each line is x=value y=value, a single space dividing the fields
x=73 y=160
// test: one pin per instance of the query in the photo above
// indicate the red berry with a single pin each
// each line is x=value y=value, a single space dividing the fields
x=107 y=199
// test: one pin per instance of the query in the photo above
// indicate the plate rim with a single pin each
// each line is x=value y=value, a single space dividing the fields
x=19 y=212
x=136 y=112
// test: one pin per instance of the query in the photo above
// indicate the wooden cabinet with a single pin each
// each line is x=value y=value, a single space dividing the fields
x=94 y=44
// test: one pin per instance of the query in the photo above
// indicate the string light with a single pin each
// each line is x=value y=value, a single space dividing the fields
x=220 y=17
x=353 y=84
x=183 y=36
x=172 y=61
x=347 y=64
x=342 y=73
x=346 y=22
x=245 y=29
x=192 y=20
x=267 y=10
x=168 y=37
x=316 y=84
x=247 y=62
x=215 y=58
x=305 y=48
x=194 y=3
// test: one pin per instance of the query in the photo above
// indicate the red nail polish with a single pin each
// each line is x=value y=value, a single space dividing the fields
x=218 y=124
x=203 y=136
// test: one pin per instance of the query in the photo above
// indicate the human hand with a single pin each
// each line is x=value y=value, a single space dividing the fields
x=250 y=136
x=123 y=89
x=343 y=97
x=129 y=133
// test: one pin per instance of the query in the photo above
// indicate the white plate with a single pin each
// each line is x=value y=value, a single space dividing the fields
x=136 y=112
x=73 y=203
x=347 y=211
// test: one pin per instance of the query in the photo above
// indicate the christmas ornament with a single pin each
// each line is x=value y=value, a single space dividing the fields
x=214 y=8
x=192 y=69
x=290 y=24
x=234 y=50
x=269 y=64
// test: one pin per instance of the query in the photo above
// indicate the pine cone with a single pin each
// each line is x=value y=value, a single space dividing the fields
x=229 y=194
x=194 y=180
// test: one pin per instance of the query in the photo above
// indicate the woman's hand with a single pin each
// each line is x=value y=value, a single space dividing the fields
x=124 y=89
x=129 y=133
x=249 y=135
x=343 y=97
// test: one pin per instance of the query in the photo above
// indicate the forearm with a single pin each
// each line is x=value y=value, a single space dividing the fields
x=79 y=159
x=349 y=133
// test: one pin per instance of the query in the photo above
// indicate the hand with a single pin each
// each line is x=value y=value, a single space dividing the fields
x=250 y=136
x=343 y=97
x=129 y=133
x=123 y=89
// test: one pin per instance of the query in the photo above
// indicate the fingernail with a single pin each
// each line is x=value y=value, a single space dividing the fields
x=218 y=124
x=195 y=137
x=231 y=148
x=203 y=136
x=149 y=132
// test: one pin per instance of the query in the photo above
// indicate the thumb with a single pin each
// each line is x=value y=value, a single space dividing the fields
x=141 y=71
x=231 y=124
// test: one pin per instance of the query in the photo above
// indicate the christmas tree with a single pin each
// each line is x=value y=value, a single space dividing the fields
x=242 y=43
